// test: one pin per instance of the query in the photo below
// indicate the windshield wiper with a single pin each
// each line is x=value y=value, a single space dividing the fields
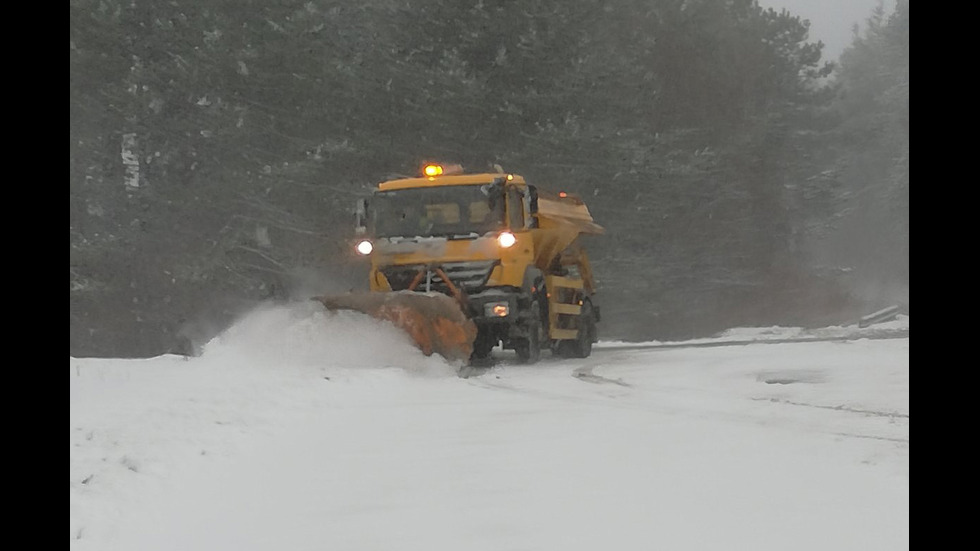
x=451 y=236
x=468 y=235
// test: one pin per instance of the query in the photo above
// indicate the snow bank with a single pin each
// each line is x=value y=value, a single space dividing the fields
x=743 y=335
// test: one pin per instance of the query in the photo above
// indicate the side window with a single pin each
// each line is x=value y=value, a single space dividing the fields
x=515 y=208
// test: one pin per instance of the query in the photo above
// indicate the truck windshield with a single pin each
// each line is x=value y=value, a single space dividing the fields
x=448 y=211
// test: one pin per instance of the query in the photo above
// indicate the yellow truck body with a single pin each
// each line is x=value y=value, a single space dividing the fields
x=507 y=252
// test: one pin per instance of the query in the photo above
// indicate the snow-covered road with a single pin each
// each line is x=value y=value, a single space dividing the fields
x=286 y=434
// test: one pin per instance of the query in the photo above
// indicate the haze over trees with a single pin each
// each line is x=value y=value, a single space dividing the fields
x=216 y=149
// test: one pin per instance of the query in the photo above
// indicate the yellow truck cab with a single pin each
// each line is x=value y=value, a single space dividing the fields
x=508 y=252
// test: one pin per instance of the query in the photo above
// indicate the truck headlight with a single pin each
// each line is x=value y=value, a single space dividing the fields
x=364 y=247
x=506 y=239
x=496 y=309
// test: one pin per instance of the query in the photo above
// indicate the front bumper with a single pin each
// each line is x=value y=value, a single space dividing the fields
x=480 y=306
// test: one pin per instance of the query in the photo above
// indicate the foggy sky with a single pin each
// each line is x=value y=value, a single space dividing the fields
x=831 y=21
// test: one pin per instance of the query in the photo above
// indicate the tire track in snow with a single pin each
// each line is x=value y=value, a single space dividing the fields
x=653 y=399
x=868 y=412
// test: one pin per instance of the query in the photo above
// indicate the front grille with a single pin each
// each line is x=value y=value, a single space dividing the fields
x=466 y=276
x=400 y=277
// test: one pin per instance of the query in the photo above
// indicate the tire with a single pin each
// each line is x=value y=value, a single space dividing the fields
x=581 y=347
x=529 y=349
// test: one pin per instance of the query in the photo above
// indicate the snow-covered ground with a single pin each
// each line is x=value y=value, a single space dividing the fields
x=299 y=429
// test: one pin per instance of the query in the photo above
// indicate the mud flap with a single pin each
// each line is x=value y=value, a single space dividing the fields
x=434 y=321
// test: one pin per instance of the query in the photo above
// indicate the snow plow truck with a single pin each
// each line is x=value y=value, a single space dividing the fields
x=466 y=262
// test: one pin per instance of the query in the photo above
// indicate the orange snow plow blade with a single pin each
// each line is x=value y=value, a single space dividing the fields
x=434 y=321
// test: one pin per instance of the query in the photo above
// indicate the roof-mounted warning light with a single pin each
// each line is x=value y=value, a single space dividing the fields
x=431 y=170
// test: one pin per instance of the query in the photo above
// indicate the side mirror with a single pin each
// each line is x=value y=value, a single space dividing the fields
x=360 y=217
x=532 y=199
x=494 y=191
x=531 y=203
x=495 y=187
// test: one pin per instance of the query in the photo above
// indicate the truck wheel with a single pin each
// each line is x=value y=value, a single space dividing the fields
x=529 y=350
x=581 y=347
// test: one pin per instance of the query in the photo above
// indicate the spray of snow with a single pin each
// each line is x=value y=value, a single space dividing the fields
x=307 y=337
